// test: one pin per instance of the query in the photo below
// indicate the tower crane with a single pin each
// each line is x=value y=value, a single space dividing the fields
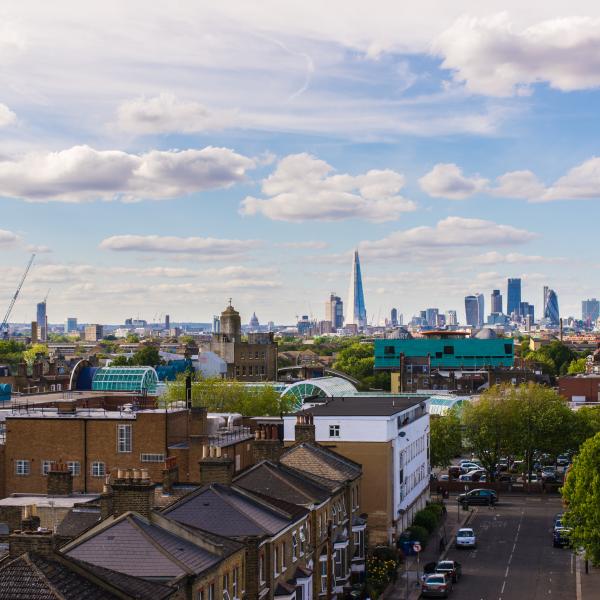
x=4 y=325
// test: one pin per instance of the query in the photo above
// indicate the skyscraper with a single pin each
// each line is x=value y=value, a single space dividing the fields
x=590 y=310
x=551 y=312
x=431 y=316
x=496 y=304
x=480 y=310
x=513 y=296
x=167 y=322
x=451 y=318
x=394 y=317
x=42 y=321
x=334 y=311
x=472 y=310
x=71 y=325
x=357 y=313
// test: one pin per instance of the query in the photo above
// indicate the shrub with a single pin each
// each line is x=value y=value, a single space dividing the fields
x=436 y=508
x=426 y=519
x=418 y=533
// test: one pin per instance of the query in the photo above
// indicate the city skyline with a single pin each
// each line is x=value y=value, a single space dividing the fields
x=223 y=169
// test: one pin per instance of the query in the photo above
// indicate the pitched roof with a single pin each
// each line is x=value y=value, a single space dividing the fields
x=364 y=405
x=229 y=511
x=318 y=461
x=77 y=521
x=67 y=578
x=279 y=481
x=132 y=545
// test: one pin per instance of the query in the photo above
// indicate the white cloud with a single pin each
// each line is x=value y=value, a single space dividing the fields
x=518 y=184
x=309 y=244
x=167 y=114
x=39 y=249
x=81 y=174
x=581 y=182
x=491 y=57
x=491 y=258
x=449 y=233
x=172 y=244
x=446 y=180
x=7 y=238
x=303 y=187
x=7 y=116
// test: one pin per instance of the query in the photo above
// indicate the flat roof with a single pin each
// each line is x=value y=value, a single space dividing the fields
x=80 y=413
x=365 y=406
x=43 y=500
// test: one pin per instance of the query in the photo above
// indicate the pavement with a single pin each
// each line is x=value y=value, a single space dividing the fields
x=514 y=558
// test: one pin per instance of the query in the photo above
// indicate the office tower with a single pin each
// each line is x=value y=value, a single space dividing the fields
x=441 y=320
x=496 y=304
x=590 y=310
x=527 y=310
x=42 y=321
x=400 y=319
x=431 y=316
x=480 y=309
x=551 y=313
x=394 y=317
x=472 y=310
x=216 y=326
x=71 y=325
x=513 y=296
x=167 y=322
x=546 y=288
x=357 y=313
x=93 y=333
x=334 y=311
x=451 y=318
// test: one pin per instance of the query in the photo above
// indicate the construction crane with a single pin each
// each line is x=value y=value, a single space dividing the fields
x=4 y=325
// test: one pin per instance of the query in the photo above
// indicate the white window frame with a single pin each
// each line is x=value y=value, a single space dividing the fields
x=75 y=467
x=211 y=590
x=46 y=465
x=22 y=467
x=261 y=567
x=294 y=546
x=124 y=438
x=323 y=575
x=283 y=557
x=334 y=431
x=149 y=457
x=234 y=589
x=275 y=561
x=95 y=469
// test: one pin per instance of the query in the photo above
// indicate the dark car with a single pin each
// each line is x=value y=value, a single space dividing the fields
x=561 y=537
x=479 y=496
x=451 y=568
x=454 y=472
x=437 y=585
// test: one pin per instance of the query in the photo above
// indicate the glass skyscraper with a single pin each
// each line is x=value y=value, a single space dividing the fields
x=590 y=310
x=513 y=296
x=551 y=313
x=356 y=311
x=496 y=304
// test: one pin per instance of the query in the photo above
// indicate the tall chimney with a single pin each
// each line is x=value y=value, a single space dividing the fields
x=132 y=491
x=170 y=474
x=266 y=445
x=214 y=467
x=305 y=428
x=60 y=480
x=188 y=391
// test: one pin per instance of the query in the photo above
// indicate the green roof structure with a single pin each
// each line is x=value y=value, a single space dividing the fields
x=125 y=379
x=318 y=387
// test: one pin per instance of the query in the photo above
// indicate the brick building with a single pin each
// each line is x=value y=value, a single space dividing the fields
x=580 y=388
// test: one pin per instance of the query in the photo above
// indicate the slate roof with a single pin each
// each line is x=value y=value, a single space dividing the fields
x=278 y=481
x=132 y=545
x=363 y=405
x=327 y=466
x=77 y=521
x=229 y=512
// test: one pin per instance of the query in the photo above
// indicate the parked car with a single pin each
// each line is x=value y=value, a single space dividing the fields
x=561 y=537
x=454 y=472
x=465 y=538
x=517 y=466
x=443 y=477
x=437 y=585
x=465 y=467
x=505 y=477
x=562 y=460
x=549 y=474
x=478 y=496
x=533 y=478
x=451 y=568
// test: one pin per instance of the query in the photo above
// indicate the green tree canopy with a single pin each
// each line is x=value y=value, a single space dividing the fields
x=11 y=352
x=577 y=366
x=30 y=355
x=581 y=493
x=132 y=338
x=445 y=438
x=358 y=361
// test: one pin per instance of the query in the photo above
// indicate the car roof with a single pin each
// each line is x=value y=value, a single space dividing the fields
x=435 y=575
x=465 y=529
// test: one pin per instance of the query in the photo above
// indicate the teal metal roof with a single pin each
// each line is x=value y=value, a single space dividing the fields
x=125 y=379
x=320 y=387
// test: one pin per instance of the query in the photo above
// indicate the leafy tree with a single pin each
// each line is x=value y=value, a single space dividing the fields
x=30 y=355
x=119 y=361
x=186 y=339
x=445 y=438
x=577 y=366
x=220 y=395
x=358 y=361
x=132 y=338
x=587 y=424
x=581 y=493
x=11 y=352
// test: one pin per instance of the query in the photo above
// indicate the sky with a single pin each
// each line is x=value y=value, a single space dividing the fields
x=163 y=159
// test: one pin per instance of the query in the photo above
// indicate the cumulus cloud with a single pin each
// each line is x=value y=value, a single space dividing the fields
x=446 y=180
x=451 y=232
x=81 y=174
x=7 y=116
x=309 y=244
x=7 y=238
x=39 y=249
x=519 y=184
x=491 y=57
x=581 y=182
x=492 y=258
x=303 y=187
x=183 y=245
x=166 y=113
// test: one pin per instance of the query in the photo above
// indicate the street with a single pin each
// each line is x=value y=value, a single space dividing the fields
x=514 y=558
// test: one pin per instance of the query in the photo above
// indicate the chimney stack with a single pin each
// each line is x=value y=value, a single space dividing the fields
x=215 y=467
x=188 y=391
x=305 y=428
x=170 y=474
x=30 y=538
x=60 y=480
x=132 y=490
x=266 y=445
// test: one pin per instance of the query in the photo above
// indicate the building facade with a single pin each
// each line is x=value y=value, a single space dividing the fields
x=334 y=311
x=356 y=313
x=513 y=296
x=93 y=333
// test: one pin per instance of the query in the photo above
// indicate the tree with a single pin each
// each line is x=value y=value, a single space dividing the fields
x=30 y=355
x=132 y=338
x=581 y=493
x=445 y=438
x=358 y=361
x=11 y=352
x=577 y=366
x=119 y=361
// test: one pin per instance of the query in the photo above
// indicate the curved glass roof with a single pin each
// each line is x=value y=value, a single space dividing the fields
x=125 y=379
x=320 y=387
x=441 y=405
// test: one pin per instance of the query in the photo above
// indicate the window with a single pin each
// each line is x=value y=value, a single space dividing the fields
x=302 y=541
x=211 y=591
x=236 y=575
x=152 y=458
x=46 y=465
x=22 y=467
x=294 y=546
x=334 y=431
x=448 y=349
x=226 y=586
x=508 y=349
x=359 y=543
x=276 y=561
x=261 y=568
x=389 y=350
x=98 y=469
x=283 y=557
x=323 y=575
x=75 y=467
x=200 y=595
x=438 y=355
x=123 y=438
x=333 y=514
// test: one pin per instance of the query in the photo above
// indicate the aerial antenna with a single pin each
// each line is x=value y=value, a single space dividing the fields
x=4 y=324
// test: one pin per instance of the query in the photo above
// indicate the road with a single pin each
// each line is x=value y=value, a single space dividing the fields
x=515 y=559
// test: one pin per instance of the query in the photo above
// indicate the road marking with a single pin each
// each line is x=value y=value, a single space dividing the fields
x=572 y=557
x=514 y=546
x=506 y=573
x=503 y=584
x=578 y=580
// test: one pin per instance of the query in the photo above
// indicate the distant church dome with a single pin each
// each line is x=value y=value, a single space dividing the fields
x=254 y=320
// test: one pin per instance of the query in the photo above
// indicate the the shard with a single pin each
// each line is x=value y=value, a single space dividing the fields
x=356 y=313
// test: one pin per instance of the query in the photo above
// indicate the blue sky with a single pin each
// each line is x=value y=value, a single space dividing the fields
x=162 y=160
